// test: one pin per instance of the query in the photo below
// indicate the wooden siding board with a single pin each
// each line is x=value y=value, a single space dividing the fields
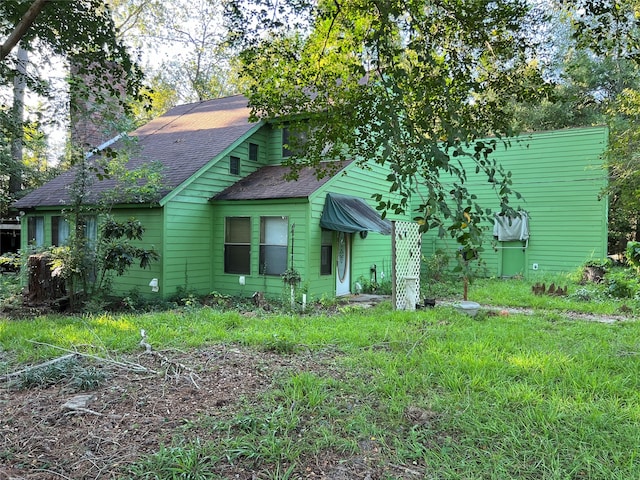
x=271 y=285
x=188 y=246
x=560 y=176
x=138 y=278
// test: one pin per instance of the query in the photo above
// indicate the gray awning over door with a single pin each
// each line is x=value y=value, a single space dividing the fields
x=344 y=213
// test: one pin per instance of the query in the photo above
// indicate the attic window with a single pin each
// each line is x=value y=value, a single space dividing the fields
x=234 y=165
x=293 y=141
x=253 y=152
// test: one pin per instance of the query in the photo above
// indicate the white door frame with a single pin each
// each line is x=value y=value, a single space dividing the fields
x=343 y=264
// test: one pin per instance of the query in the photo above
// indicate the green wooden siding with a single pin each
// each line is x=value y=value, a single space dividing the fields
x=190 y=223
x=375 y=249
x=272 y=285
x=274 y=145
x=560 y=175
x=135 y=278
x=187 y=241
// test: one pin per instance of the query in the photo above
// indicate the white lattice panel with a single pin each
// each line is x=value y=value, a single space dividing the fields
x=407 y=249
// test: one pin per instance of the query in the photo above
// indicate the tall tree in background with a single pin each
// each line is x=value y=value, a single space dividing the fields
x=412 y=85
x=184 y=46
x=82 y=32
x=597 y=67
x=612 y=29
x=201 y=61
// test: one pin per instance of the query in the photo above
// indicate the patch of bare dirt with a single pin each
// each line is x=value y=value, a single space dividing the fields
x=53 y=433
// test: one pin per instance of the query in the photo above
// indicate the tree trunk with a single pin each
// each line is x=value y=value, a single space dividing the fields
x=593 y=274
x=23 y=26
x=43 y=286
x=19 y=83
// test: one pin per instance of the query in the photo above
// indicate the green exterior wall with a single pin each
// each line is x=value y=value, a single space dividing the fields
x=375 y=249
x=135 y=278
x=189 y=219
x=560 y=175
x=271 y=285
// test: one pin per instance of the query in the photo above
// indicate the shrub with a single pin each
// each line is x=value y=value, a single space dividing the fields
x=622 y=284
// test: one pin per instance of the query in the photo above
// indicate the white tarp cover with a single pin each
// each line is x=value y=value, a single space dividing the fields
x=507 y=229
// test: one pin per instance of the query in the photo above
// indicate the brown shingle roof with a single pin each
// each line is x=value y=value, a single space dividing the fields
x=269 y=183
x=184 y=140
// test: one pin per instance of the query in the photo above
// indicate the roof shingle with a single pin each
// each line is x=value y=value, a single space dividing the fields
x=269 y=183
x=183 y=140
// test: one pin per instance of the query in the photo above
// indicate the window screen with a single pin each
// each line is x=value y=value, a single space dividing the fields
x=237 y=245
x=273 y=245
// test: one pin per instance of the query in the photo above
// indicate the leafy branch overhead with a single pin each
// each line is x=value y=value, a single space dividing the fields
x=410 y=85
x=81 y=31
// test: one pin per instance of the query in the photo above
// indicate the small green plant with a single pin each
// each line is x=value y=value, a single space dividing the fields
x=86 y=379
x=217 y=298
x=633 y=255
x=10 y=262
x=291 y=277
x=281 y=345
x=192 y=460
x=10 y=288
x=372 y=287
x=437 y=266
x=622 y=284
x=71 y=371
x=47 y=376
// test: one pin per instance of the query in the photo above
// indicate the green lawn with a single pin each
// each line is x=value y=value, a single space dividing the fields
x=521 y=396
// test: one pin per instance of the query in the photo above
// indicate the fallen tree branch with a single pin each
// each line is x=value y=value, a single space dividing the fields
x=135 y=367
x=164 y=360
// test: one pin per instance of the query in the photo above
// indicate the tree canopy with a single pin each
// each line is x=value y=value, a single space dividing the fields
x=413 y=85
x=83 y=33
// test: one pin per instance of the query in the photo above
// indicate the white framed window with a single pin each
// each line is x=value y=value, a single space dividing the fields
x=274 y=236
x=237 y=245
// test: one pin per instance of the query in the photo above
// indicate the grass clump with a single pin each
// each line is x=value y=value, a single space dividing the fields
x=190 y=460
x=71 y=372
